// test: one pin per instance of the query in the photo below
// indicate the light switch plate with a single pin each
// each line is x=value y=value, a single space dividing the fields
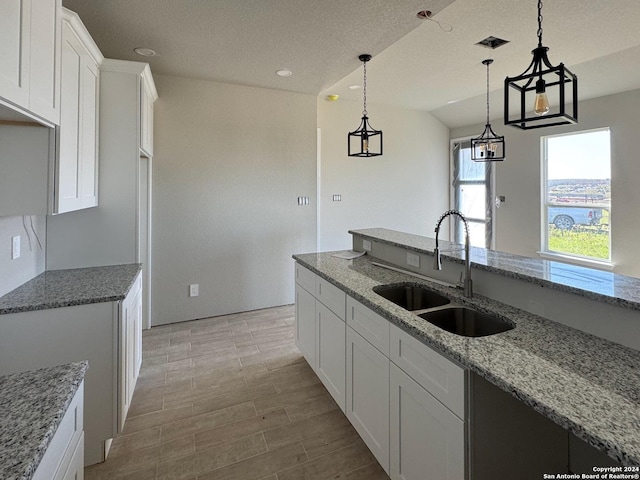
x=413 y=259
x=194 y=290
x=15 y=247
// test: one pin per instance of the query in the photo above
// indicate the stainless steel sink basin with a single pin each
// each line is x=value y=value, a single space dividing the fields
x=466 y=322
x=411 y=297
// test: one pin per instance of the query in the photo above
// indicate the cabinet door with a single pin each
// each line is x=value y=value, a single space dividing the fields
x=367 y=405
x=427 y=440
x=146 y=120
x=76 y=467
x=14 y=51
x=330 y=352
x=44 y=71
x=138 y=334
x=88 y=145
x=68 y=196
x=77 y=159
x=306 y=325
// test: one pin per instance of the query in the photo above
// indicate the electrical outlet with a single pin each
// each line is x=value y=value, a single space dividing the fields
x=366 y=245
x=15 y=247
x=413 y=259
x=194 y=290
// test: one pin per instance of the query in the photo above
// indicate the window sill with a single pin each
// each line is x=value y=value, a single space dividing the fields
x=584 y=262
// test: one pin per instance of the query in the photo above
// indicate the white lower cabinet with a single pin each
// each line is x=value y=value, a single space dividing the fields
x=320 y=330
x=368 y=395
x=107 y=334
x=306 y=325
x=64 y=457
x=330 y=352
x=405 y=400
x=427 y=440
x=130 y=348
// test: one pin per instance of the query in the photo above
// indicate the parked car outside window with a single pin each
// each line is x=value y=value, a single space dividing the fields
x=565 y=218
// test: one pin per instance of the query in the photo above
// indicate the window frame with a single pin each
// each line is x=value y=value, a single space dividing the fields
x=455 y=224
x=545 y=252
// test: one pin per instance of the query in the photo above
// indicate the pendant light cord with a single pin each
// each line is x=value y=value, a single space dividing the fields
x=488 y=93
x=539 y=23
x=364 y=88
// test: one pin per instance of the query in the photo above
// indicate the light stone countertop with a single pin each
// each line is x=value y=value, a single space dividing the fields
x=33 y=404
x=65 y=288
x=608 y=287
x=586 y=384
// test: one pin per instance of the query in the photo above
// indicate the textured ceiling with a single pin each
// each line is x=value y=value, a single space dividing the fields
x=246 y=41
x=416 y=64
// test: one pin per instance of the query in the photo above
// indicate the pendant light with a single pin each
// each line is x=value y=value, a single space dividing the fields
x=532 y=88
x=488 y=147
x=365 y=141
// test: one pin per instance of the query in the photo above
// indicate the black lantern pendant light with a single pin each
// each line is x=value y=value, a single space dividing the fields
x=488 y=147
x=365 y=141
x=532 y=89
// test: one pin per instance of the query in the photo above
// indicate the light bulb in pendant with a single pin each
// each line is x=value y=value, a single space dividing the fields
x=541 y=104
x=482 y=148
x=365 y=144
x=492 y=148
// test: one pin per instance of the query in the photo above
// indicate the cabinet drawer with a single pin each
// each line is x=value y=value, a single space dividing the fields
x=331 y=296
x=373 y=327
x=306 y=278
x=60 y=451
x=439 y=376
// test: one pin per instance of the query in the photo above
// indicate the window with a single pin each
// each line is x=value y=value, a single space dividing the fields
x=472 y=195
x=576 y=193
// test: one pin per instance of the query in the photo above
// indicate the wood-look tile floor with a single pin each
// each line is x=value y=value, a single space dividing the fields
x=231 y=397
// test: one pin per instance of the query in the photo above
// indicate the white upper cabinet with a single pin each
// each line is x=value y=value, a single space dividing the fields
x=30 y=34
x=148 y=96
x=76 y=166
x=44 y=61
x=14 y=51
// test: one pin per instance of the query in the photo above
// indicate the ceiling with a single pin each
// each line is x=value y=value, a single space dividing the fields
x=416 y=63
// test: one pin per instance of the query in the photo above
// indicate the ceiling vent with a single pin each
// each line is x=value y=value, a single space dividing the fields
x=492 y=42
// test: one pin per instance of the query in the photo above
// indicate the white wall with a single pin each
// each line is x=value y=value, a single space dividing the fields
x=14 y=273
x=518 y=179
x=229 y=164
x=406 y=188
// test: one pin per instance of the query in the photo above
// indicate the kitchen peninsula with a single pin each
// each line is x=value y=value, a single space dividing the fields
x=586 y=384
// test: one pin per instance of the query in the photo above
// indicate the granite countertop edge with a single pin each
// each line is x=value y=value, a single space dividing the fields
x=504 y=270
x=71 y=287
x=20 y=459
x=471 y=352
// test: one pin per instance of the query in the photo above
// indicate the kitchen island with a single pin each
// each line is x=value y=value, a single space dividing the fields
x=586 y=384
x=33 y=422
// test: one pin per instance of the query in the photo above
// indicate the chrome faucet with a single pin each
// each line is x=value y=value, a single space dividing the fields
x=437 y=262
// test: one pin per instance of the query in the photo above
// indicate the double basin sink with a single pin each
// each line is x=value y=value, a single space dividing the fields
x=439 y=311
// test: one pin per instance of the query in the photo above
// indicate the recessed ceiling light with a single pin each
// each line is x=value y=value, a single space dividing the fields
x=145 y=52
x=284 y=72
x=449 y=102
x=332 y=97
x=354 y=87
